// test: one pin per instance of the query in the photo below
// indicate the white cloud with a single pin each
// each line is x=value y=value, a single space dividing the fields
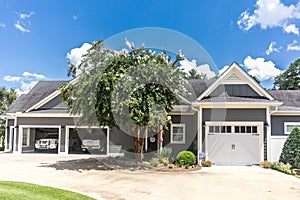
x=187 y=66
x=75 y=55
x=21 y=28
x=272 y=48
x=9 y=78
x=291 y=29
x=25 y=87
x=24 y=82
x=271 y=14
x=260 y=68
x=2 y=25
x=293 y=46
x=25 y=15
x=221 y=71
x=23 y=23
x=28 y=74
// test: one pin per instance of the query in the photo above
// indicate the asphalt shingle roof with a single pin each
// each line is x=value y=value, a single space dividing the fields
x=290 y=99
x=40 y=91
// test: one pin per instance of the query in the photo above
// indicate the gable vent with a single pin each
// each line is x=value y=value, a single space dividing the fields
x=233 y=77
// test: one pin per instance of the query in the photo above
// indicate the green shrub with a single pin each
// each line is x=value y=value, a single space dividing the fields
x=154 y=162
x=291 y=149
x=206 y=163
x=266 y=164
x=283 y=168
x=129 y=154
x=186 y=159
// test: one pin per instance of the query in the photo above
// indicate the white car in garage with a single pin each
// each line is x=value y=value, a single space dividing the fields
x=50 y=142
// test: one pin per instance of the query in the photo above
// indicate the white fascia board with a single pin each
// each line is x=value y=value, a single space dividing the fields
x=237 y=103
x=287 y=113
x=255 y=86
x=45 y=115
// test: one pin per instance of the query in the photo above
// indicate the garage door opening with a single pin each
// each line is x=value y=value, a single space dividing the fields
x=46 y=139
x=85 y=140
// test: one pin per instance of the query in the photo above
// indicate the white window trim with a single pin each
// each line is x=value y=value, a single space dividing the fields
x=290 y=123
x=28 y=137
x=183 y=139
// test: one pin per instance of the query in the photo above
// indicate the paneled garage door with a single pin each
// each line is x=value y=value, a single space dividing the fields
x=236 y=143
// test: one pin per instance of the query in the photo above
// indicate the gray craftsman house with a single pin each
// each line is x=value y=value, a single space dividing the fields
x=231 y=120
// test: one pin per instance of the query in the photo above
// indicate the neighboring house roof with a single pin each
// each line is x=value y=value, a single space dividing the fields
x=290 y=99
x=40 y=91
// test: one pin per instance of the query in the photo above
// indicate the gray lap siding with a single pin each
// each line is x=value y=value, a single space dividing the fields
x=190 y=122
x=277 y=124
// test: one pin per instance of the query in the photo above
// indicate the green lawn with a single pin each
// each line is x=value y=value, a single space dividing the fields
x=17 y=190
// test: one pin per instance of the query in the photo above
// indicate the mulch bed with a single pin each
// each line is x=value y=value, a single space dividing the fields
x=113 y=164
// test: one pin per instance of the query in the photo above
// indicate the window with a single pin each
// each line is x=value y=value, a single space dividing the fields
x=289 y=126
x=25 y=140
x=178 y=133
x=245 y=129
x=219 y=129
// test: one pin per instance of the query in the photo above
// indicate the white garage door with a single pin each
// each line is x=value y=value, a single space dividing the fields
x=234 y=144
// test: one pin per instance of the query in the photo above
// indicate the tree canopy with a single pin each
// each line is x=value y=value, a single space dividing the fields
x=289 y=79
x=7 y=97
x=130 y=90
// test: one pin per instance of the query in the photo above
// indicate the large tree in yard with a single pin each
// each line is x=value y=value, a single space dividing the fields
x=7 y=97
x=132 y=90
x=289 y=79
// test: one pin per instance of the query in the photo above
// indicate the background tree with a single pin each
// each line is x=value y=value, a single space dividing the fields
x=7 y=97
x=129 y=90
x=289 y=79
x=193 y=74
x=256 y=79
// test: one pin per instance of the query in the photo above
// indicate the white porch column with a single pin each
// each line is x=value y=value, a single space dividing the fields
x=200 y=142
x=6 y=136
x=20 y=140
x=268 y=134
x=10 y=141
x=107 y=141
x=206 y=140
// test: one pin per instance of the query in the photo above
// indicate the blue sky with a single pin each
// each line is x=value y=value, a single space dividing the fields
x=36 y=36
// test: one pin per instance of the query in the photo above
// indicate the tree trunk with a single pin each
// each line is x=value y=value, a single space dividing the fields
x=138 y=138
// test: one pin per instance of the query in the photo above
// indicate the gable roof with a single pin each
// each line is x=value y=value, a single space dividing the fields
x=233 y=75
x=40 y=91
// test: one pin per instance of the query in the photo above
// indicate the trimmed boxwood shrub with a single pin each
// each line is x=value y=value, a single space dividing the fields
x=185 y=159
x=291 y=150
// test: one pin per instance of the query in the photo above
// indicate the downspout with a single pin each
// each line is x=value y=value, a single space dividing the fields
x=199 y=132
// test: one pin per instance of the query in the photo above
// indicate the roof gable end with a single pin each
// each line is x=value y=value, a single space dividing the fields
x=236 y=75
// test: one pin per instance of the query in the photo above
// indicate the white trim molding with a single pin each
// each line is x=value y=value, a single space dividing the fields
x=286 y=124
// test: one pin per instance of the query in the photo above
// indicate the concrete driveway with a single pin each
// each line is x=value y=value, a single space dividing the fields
x=209 y=183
